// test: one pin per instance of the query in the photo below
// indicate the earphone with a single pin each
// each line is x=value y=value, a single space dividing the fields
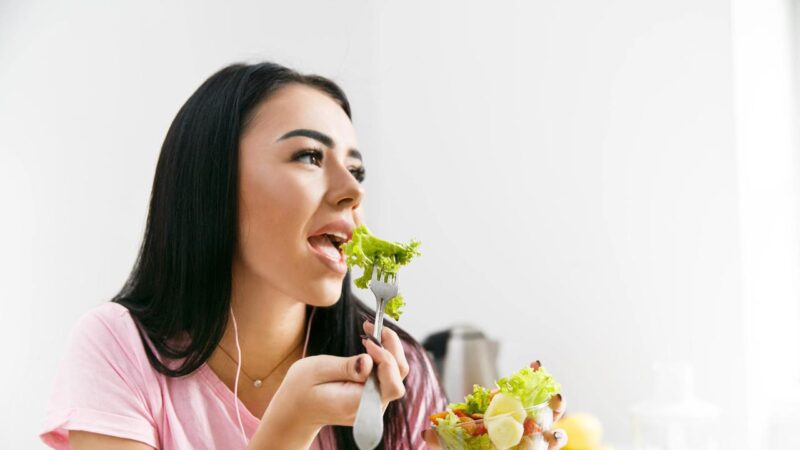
x=236 y=381
x=239 y=365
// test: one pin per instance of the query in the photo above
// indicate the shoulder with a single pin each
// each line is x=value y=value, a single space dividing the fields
x=422 y=375
x=104 y=384
x=108 y=332
x=414 y=351
x=108 y=317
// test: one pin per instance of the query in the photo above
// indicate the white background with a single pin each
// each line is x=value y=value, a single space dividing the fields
x=599 y=185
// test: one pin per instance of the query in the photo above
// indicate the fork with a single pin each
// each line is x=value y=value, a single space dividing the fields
x=368 y=426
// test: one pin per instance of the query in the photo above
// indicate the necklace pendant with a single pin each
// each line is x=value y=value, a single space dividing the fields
x=257 y=383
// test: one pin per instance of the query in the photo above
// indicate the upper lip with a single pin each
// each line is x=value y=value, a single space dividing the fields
x=340 y=228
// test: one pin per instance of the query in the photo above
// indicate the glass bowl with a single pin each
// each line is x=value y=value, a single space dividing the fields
x=507 y=430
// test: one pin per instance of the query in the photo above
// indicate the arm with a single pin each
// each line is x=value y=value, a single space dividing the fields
x=277 y=432
x=326 y=390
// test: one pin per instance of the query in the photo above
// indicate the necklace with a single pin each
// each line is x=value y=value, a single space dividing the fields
x=257 y=382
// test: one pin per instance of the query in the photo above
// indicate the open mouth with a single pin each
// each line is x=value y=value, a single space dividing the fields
x=329 y=244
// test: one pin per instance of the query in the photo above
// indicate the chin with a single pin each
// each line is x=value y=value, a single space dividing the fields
x=325 y=302
x=325 y=294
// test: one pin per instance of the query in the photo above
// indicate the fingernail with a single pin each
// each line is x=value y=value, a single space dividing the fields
x=371 y=338
x=359 y=365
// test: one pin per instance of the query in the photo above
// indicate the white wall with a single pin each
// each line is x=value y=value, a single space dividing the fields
x=571 y=168
x=766 y=127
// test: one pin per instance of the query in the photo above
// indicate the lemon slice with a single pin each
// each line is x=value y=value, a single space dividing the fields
x=504 y=418
x=505 y=404
x=504 y=432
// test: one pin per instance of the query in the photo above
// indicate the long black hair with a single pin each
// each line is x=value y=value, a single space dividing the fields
x=179 y=290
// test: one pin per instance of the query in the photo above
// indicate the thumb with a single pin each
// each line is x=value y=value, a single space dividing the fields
x=430 y=438
x=555 y=438
x=326 y=368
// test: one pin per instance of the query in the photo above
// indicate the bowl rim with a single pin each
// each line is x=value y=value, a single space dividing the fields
x=537 y=406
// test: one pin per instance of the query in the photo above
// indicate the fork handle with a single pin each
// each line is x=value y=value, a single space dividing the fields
x=368 y=425
x=376 y=332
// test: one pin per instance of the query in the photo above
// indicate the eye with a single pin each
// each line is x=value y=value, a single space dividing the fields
x=359 y=173
x=309 y=156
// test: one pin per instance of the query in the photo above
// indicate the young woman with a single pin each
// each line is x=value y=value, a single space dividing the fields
x=237 y=327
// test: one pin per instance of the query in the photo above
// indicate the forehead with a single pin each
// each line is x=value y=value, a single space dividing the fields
x=298 y=106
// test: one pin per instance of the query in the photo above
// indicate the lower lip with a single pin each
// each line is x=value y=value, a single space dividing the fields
x=339 y=266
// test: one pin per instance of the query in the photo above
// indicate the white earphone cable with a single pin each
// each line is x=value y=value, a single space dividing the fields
x=239 y=366
x=236 y=381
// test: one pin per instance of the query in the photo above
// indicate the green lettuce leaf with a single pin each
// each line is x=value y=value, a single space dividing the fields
x=453 y=436
x=529 y=386
x=368 y=252
x=393 y=307
x=481 y=442
x=477 y=402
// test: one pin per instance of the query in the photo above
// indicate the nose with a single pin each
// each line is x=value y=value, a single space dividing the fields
x=345 y=191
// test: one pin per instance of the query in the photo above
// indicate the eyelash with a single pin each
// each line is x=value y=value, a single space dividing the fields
x=310 y=152
x=359 y=173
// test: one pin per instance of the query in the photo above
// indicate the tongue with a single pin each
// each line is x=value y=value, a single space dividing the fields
x=324 y=245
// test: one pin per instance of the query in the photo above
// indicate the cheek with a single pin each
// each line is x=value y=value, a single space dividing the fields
x=274 y=211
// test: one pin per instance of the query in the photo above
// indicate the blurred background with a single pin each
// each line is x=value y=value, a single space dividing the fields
x=604 y=186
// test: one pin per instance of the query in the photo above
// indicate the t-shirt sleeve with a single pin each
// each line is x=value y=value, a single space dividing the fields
x=100 y=384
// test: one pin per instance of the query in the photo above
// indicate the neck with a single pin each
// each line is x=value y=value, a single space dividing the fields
x=271 y=325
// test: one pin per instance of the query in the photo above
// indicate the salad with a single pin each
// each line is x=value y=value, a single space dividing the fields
x=516 y=414
x=370 y=253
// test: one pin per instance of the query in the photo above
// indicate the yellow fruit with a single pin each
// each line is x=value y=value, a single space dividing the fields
x=505 y=404
x=504 y=432
x=584 y=431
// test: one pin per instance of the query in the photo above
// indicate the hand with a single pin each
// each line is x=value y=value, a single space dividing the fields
x=391 y=361
x=326 y=390
x=430 y=438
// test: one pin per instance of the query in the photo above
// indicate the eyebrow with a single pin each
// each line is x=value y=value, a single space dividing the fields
x=322 y=138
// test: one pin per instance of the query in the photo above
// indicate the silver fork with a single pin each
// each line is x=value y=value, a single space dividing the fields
x=368 y=426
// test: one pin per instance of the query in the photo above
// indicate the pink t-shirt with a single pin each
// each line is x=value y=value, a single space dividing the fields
x=105 y=384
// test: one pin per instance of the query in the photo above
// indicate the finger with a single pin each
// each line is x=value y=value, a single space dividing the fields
x=391 y=384
x=430 y=438
x=391 y=342
x=341 y=400
x=326 y=368
x=338 y=383
x=558 y=404
x=555 y=439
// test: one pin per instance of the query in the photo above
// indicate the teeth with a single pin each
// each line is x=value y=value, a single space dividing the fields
x=340 y=236
x=334 y=240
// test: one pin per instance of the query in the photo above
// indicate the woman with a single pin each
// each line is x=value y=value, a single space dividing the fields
x=237 y=327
